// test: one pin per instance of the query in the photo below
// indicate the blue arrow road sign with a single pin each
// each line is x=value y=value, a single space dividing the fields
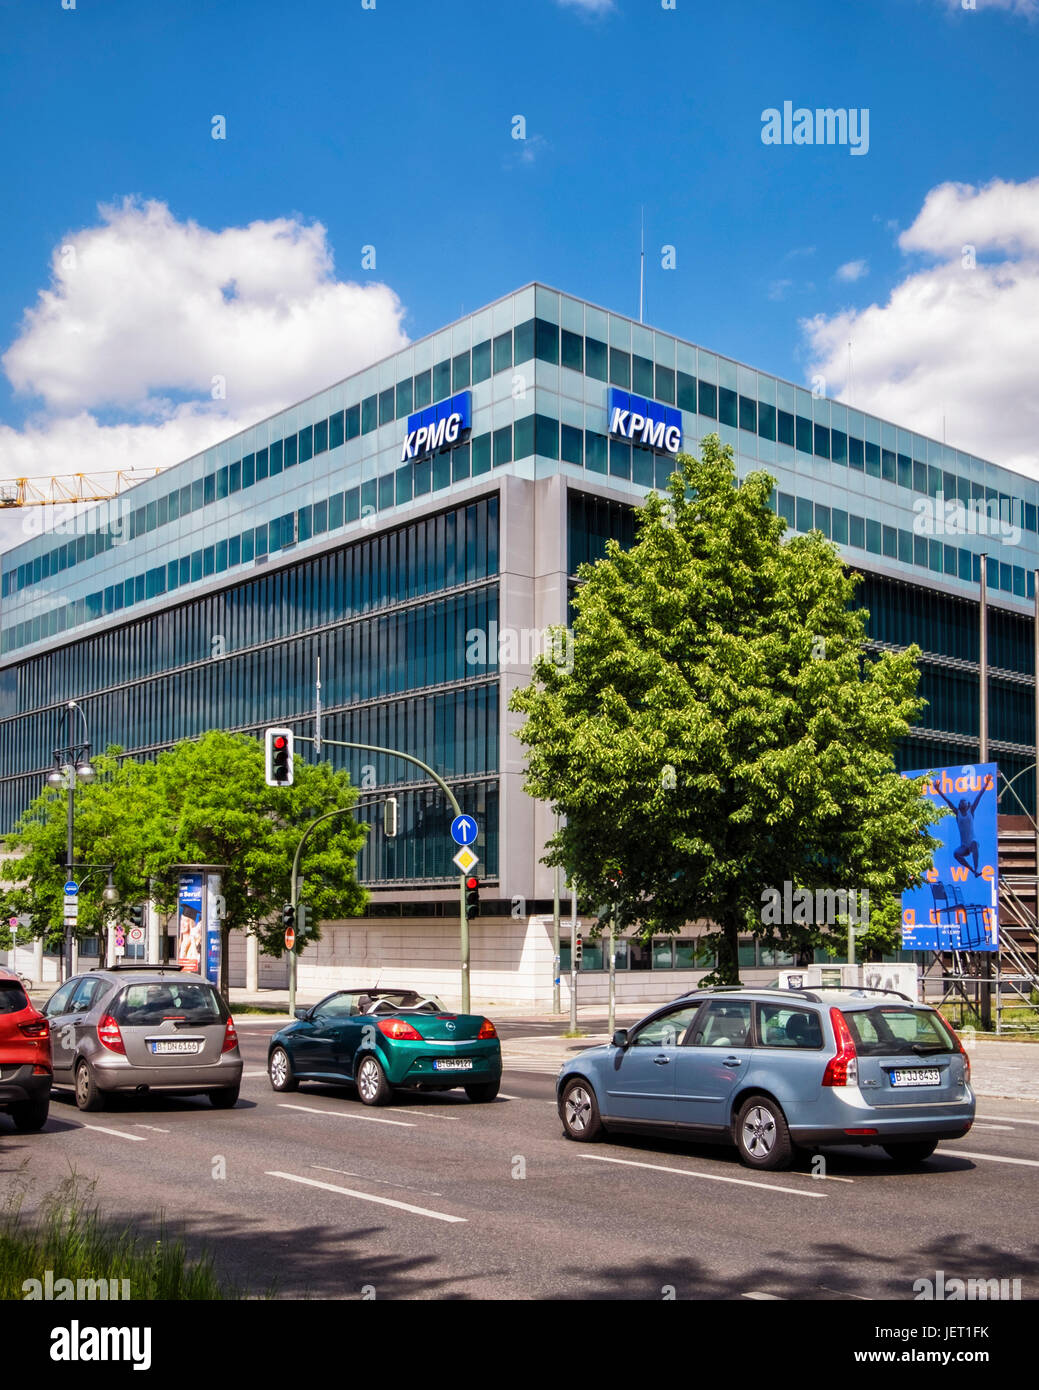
x=464 y=830
x=71 y=888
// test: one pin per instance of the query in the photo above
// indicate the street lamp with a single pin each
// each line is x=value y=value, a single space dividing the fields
x=72 y=763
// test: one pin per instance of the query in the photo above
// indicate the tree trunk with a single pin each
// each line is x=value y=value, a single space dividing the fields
x=728 y=971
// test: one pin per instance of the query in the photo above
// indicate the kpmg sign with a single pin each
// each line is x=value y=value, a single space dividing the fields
x=644 y=421
x=437 y=426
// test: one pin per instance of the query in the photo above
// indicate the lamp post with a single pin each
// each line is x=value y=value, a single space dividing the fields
x=71 y=763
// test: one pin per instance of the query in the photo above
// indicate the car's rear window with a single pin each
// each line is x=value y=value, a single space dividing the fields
x=13 y=998
x=893 y=1028
x=150 y=1004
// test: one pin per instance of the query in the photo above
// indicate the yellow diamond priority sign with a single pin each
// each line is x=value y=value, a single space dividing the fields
x=465 y=859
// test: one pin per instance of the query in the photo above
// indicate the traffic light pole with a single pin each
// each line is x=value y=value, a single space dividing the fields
x=417 y=762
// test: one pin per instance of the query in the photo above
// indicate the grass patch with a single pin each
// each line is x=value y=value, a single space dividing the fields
x=67 y=1236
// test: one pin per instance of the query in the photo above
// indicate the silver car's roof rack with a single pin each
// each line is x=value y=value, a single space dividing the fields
x=151 y=967
x=809 y=994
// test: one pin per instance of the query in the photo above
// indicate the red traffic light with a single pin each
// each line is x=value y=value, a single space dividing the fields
x=472 y=882
x=280 y=741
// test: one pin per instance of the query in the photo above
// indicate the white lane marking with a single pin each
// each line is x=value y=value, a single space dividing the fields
x=845 y=1294
x=995 y=1158
x=368 y=1197
x=1011 y=1119
x=708 y=1177
x=119 y=1133
x=250 y=1074
x=502 y=1096
x=344 y=1115
x=981 y=1124
x=766 y=1297
x=823 y=1177
x=348 y=1173
x=152 y=1127
x=419 y=1114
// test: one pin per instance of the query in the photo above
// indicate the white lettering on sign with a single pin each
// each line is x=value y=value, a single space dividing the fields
x=428 y=438
x=654 y=433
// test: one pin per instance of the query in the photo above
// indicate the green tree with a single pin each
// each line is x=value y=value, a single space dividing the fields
x=202 y=802
x=722 y=729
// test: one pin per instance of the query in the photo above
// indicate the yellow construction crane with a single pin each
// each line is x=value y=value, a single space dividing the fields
x=70 y=487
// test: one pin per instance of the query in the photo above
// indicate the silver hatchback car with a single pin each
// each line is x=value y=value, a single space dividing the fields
x=140 y=1029
x=772 y=1071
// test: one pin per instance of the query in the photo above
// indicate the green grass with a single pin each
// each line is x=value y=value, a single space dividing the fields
x=66 y=1234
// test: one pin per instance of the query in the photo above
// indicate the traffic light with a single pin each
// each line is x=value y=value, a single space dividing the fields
x=302 y=921
x=137 y=915
x=278 y=757
x=288 y=917
x=389 y=818
x=472 y=896
x=578 y=951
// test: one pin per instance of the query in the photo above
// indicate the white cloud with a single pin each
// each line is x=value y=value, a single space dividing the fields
x=1028 y=8
x=588 y=6
x=952 y=341
x=852 y=270
x=143 y=311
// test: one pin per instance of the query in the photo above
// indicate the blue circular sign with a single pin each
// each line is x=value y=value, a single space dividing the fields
x=71 y=888
x=464 y=830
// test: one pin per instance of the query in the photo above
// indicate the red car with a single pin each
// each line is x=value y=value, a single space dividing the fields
x=26 y=1071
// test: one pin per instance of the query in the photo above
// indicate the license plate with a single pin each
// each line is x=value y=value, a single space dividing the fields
x=453 y=1064
x=916 y=1076
x=182 y=1045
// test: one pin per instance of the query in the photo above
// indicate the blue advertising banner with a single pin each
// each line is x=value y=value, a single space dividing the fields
x=956 y=906
x=189 y=922
x=213 y=914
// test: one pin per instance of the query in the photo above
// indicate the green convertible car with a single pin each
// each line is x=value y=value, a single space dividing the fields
x=385 y=1038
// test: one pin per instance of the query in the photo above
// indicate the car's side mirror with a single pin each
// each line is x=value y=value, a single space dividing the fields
x=620 y=1037
x=303 y=1013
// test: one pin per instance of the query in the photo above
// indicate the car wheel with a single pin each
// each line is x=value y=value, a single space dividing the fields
x=484 y=1091
x=762 y=1136
x=916 y=1152
x=89 y=1096
x=226 y=1098
x=372 y=1086
x=580 y=1111
x=31 y=1115
x=279 y=1069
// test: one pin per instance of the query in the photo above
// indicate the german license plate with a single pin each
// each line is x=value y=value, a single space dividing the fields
x=453 y=1064
x=181 y=1045
x=916 y=1076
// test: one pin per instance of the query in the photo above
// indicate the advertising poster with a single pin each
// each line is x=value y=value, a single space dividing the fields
x=213 y=902
x=956 y=906
x=189 y=922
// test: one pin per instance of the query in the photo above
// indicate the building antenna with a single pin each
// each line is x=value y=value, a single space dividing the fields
x=642 y=260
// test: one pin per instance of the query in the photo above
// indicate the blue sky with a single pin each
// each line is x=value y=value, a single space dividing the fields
x=392 y=127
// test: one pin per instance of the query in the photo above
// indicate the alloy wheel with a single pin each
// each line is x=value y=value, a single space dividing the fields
x=578 y=1108
x=279 y=1069
x=759 y=1132
x=368 y=1078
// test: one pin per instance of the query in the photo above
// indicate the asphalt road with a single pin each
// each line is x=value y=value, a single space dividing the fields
x=315 y=1195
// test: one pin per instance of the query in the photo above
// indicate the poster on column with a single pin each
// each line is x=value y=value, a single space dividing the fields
x=214 y=914
x=956 y=905
x=189 y=922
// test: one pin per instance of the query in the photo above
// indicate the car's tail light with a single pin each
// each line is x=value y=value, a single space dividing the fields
x=487 y=1029
x=230 y=1036
x=108 y=1035
x=39 y=1070
x=35 y=1028
x=843 y=1068
x=398 y=1029
x=961 y=1049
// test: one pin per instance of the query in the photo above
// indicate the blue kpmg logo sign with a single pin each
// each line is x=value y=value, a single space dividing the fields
x=437 y=426
x=644 y=421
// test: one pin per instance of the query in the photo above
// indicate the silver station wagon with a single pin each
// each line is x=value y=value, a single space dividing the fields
x=140 y=1029
x=773 y=1071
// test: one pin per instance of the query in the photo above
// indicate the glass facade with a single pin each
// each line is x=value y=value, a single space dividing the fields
x=202 y=597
